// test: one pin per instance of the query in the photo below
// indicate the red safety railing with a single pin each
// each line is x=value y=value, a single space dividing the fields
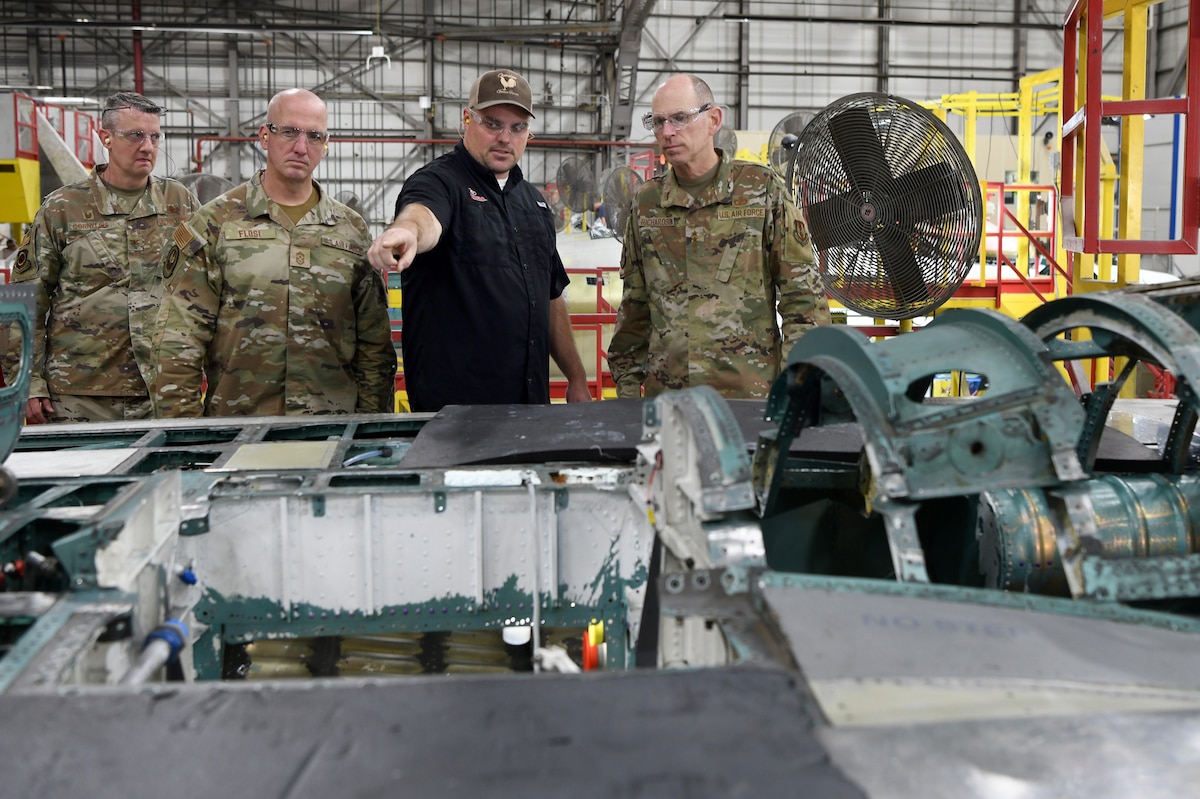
x=56 y=115
x=85 y=149
x=598 y=322
x=1164 y=382
x=25 y=121
x=198 y=158
x=1010 y=234
x=1083 y=126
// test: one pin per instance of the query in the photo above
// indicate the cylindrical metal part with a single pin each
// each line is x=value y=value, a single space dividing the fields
x=1136 y=517
x=153 y=657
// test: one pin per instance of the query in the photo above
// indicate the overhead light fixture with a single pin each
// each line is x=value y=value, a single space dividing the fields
x=68 y=101
x=377 y=52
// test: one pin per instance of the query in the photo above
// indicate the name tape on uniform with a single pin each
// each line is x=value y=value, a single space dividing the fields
x=741 y=213
x=342 y=244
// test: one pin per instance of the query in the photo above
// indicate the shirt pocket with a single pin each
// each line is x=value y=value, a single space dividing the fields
x=535 y=237
x=252 y=257
x=477 y=235
x=336 y=264
x=93 y=261
x=741 y=268
x=664 y=257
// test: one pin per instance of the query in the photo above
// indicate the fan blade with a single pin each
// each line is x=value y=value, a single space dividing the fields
x=835 y=222
x=928 y=193
x=859 y=148
x=903 y=271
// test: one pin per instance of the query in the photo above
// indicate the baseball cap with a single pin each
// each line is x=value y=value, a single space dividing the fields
x=501 y=87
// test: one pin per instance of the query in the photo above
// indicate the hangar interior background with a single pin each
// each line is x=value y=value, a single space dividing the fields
x=396 y=72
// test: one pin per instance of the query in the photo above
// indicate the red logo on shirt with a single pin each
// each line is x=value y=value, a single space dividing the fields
x=477 y=197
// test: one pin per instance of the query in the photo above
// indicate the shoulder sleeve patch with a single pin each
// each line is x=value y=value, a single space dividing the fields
x=22 y=260
x=170 y=262
x=182 y=236
x=800 y=231
x=186 y=239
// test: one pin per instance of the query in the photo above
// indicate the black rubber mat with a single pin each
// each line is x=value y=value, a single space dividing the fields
x=593 y=432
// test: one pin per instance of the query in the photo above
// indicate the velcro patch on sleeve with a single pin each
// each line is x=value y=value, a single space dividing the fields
x=186 y=239
x=170 y=262
x=182 y=235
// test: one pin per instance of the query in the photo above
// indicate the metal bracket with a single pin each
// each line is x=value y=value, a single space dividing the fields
x=699 y=472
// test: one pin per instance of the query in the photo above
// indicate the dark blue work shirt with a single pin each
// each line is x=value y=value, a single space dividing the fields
x=476 y=307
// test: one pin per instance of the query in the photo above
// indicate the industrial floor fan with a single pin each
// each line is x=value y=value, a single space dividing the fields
x=892 y=203
x=620 y=187
x=577 y=184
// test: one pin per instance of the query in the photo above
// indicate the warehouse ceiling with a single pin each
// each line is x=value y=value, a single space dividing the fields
x=600 y=56
x=401 y=69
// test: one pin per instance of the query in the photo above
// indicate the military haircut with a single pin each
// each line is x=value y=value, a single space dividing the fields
x=703 y=93
x=122 y=101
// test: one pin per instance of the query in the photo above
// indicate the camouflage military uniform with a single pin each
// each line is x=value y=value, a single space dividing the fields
x=701 y=279
x=96 y=274
x=280 y=319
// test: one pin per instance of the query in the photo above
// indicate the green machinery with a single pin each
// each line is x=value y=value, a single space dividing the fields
x=901 y=559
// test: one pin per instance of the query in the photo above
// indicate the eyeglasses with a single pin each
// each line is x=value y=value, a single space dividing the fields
x=291 y=134
x=494 y=126
x=679 y=120
x=139 y=136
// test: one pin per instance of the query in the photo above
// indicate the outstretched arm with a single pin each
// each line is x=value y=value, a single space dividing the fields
x=416 y=230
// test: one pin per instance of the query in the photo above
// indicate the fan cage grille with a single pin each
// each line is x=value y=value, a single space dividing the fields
x=892 y=203
x=619 y=194
x=577 y=184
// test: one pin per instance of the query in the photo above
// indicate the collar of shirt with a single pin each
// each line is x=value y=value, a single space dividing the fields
x=257 y=201
x=720 y=190
x=151 y=203
x=515 y=175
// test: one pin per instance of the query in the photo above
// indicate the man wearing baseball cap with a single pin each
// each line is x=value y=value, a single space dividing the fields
x=482 y=281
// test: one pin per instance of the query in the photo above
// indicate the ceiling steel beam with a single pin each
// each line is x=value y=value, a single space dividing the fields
x=700 y=25
x=113 y=82
x=192 y=28
x=350 y=76
x=628 y=49
x=889 y=21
